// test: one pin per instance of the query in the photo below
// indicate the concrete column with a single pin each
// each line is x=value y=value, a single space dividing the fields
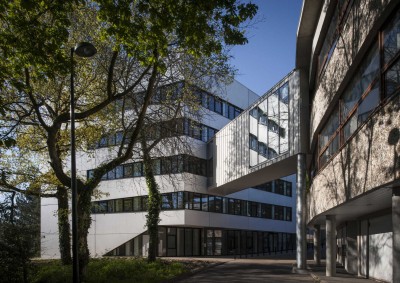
x=359 y=253
x=331 y=245
x=301 y=239
x=396 y=233
x=317 y=244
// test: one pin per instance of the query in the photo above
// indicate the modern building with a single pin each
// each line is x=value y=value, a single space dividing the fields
x=348 y=58
x=194 y=220
x=333 y=124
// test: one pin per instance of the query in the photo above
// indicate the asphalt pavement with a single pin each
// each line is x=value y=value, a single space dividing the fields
x=277 y=268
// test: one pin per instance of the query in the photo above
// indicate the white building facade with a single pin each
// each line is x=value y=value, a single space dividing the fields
x=195 y=221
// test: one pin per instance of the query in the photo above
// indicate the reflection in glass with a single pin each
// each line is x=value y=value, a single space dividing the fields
x=392 y=79
x=391 y=38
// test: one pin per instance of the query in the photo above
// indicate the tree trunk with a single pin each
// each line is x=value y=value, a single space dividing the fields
x=84 y=221
x=153 y=206
x=63 y=226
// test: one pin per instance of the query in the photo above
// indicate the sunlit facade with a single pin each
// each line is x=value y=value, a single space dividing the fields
x=353 y=77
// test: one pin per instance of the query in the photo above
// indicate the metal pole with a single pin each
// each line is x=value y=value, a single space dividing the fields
x=75 y=259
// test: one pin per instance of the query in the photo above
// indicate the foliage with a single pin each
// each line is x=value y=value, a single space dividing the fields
x=139 y=49
x=110 y=270
x=19 y=237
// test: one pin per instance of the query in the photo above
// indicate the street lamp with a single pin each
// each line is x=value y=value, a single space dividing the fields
x=82 y=49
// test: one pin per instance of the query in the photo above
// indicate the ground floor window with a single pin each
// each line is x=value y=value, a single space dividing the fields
x=189 y=242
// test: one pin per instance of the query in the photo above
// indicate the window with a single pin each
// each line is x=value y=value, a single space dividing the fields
x=156 y=166
x=111 y=175
x=211 y=103
x=288 y=189
x=279 y=187
x=119 y=172
x=237 y=111
x=237 y=207
x=118 y=137
x=288 y=213
x=211 y=203
x=137 y=169
x=273 y=126
x=278 y=212
x=362 y=95
x=392 y=79
x=102 y=206
x=137 y=204
x=218 y=106
x=128 y=205
x=391 y=39
x=204 y=202
x=218 y=204
x=231 y=206
x=119 y=205
x=263 y=119
x=90 y=174
x=231 y=112
x=254 y=112
x=225 y=109
x=266 y=211
x=365 y=76
x=284 y=93
x=180 y=200
x=196 y=201
x=272 y=153
x=166 y=202
x=128 y=170
x=253 y=142
x=263 y=149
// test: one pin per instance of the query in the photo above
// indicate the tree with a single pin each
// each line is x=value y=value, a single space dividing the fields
x=138 y=50
x=19 y=235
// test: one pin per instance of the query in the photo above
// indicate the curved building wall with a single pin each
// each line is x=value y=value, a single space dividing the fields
x=364 y=16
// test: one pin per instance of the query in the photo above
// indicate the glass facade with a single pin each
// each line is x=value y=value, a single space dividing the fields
x=279 y=186
x=170 y=128
x=269 y=122
x=342 y=9
x=184 y=241
x=376 y=80
x=167 y=165
x=197 y=201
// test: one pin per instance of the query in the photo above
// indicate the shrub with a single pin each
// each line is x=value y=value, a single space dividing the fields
x=111 y=270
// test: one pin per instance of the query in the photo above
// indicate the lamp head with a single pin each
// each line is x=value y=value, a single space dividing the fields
x=85 y=49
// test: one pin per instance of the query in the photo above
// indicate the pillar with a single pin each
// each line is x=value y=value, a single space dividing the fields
x=317 y=244
x=396 y=233
x=330 y=245
x=359 y=248
x=301 y=239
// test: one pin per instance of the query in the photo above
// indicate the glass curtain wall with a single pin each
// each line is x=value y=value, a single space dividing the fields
x=269 y=130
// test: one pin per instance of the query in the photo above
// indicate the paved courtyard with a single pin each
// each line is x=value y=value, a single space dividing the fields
x=277 y=268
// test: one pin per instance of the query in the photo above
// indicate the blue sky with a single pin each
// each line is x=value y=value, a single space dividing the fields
x=270 y=53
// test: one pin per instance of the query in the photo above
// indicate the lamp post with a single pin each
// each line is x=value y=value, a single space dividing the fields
x=82 y=49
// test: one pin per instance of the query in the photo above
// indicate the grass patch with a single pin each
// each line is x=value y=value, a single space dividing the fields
x=109 y=270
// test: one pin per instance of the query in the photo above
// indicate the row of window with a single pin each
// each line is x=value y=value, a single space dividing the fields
x=261 y=148
x=279 y=186
x=173 y=91
x=364 y=93
x=197 y=201
x=271 y=124
x=217 y=105
x=165 y=129
x=161 y=166
x=340 y=14
x=187 y=241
